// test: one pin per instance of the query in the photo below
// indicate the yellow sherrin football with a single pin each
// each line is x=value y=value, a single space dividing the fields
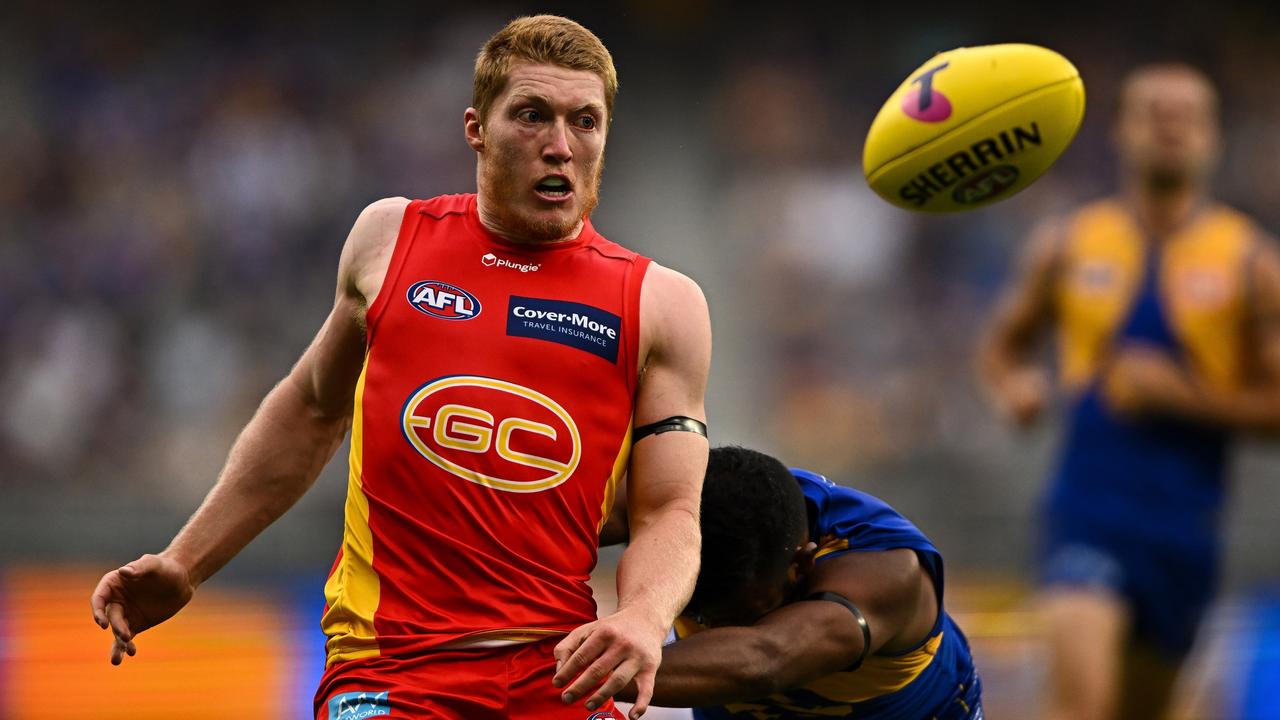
x=973 y=126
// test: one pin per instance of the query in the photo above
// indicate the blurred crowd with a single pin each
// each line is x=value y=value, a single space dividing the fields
x=175 y=188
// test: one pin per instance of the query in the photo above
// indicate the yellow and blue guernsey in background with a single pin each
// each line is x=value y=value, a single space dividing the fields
x=1133 y=504
x=934 y=681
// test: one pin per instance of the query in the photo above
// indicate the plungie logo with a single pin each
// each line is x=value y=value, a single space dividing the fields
x=444 y=301
x=493 y=433
x=923 y=103
x=491 y=260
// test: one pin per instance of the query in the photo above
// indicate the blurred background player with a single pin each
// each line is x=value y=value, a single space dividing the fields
x=1166 y=310
x=813 y=600
x=489 y=353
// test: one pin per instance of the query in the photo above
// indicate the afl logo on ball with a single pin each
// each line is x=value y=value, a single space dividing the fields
x=444 y=301
x=493 y=433
x=922 y=102
x=986 y=184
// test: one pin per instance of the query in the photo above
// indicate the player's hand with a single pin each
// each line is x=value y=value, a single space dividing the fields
x=615 y=650
x=1022 y=395
x=1144 y=379
x=140 y=595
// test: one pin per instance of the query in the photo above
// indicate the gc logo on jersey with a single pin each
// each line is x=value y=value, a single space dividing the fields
x=442 y=300
x=493 y=433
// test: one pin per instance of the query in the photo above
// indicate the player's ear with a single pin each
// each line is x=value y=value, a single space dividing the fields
x=803 y=561
x=473 y=129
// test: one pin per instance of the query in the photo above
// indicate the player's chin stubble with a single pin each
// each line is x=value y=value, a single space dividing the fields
x=509 y=195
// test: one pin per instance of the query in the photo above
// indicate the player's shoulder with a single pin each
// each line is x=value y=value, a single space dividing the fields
x=670 y=284
x=1057 y=229
x=839 y=501
x=369 y=244
x=376 y=226
x=673 y=311
x=442 y=206
x=1241 y=223
x=1051 y=237
x=391 y=210
x=812 y=482
x=1108 y=207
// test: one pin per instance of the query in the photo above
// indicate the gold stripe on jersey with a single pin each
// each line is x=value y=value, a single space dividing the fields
x=504 y=635
x=615 y=477
x=878 y=675
x=352 y=590
x=831 y=544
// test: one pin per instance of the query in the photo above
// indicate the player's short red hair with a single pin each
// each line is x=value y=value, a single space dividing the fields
x=540 y=39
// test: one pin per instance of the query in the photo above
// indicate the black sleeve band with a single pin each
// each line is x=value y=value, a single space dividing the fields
x=678 y=423
x=857 y=615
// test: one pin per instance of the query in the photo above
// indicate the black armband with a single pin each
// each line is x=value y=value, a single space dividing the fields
x=857 y=615
x=678 y=423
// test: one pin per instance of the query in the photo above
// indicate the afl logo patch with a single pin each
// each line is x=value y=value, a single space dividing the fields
x=444 y=301
x=493 y=433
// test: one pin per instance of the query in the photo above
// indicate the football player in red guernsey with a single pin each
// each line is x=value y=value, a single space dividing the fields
x=500 y=366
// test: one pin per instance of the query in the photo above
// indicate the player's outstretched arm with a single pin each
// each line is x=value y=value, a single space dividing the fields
x=803 y=641
x=277 y=456
x=657 y=571
x=1018 y=387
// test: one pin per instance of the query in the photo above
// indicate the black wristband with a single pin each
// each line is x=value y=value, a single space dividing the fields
x=678 y=423
x=857 y=615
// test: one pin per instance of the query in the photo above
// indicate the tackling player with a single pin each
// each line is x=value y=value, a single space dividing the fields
x=813 y=600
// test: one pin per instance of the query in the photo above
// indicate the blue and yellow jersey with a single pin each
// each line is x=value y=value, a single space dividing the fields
x=935 y=681
x=1186 y=294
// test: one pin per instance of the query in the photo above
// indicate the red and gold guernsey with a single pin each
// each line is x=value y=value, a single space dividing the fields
x=491 y=424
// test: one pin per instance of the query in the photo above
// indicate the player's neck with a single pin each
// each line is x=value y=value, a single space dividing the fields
x=495 y=224
x=1162 y=211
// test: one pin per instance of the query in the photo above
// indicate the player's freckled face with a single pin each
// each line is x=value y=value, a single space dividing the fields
x=542 y=152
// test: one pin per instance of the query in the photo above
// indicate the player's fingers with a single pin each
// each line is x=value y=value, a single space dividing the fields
x=583 y=655
x=120 y=626
x=591 y=677
x=117 y=652
x=644 y=692
x=98 y=601
x=566 y=647
x=618 y=679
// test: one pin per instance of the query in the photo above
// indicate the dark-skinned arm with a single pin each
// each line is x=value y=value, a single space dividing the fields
x=804 y=640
